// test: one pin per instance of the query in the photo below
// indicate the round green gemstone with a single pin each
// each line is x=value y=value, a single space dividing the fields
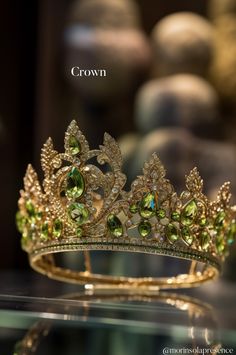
x=147 y=206
x=187 y=236
x=189 y=213
x=231 y=234
x=133 y=208
x=114 y=225
x=205 y=240
x=144 y=228
x=44 y=231
x=175 y=216
x=220 y=218
x=74 y=145
x=161 y=213
x=57 y=228
x=172 y=233
x=220 y=244
x=21 y=221
x=203 y=221
x=75 y=184
x=78 y=213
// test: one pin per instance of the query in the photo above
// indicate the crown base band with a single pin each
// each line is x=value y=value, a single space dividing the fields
x=42 y=260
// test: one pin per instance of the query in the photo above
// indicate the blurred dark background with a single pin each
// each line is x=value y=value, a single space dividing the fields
x=38 y=99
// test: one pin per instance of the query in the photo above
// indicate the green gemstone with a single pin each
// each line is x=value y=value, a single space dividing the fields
x=44 y=231
x=133 y=208
x=205 y=240
x=30 y=208
x=172 y=233
x=144 y=228
x=79 y=232
x=220 y=244
x=57 y=228
x=78 y=213
x=148 y=205
x=175 y=216
x=231 y=234
x=161 y=213
x=74 y=145
x=21 y=222
x=187 y=236
x=75 y=184
x=114 y=225
x=220 y=218
x=189 y=213
x=203 y=221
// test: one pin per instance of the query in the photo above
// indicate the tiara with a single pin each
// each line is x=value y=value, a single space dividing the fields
x=82 y=206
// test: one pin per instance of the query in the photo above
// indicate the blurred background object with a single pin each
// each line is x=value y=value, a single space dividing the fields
x=170 y=87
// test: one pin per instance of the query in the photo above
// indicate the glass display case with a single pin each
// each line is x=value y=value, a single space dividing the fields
x=40 y=316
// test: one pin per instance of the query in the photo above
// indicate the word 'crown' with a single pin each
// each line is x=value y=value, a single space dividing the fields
x=81 y=200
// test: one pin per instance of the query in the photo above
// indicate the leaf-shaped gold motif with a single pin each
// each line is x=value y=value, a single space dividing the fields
x=154 y=168
x=224 y=195
x=112 y=150
x=47 y=156
x=31 y=183
x=194 y=182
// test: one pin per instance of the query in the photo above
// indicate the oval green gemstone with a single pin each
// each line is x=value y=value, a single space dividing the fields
x=133 y=208
x=144 y=228
x=75 y=184
x=187 y=236
x=220 y=218
x=147 y=206
x=78 y=213
x=114 y=225
x=44 y=231
x=21 y=221
x=30 y=208
x=189 y=213
x=205 y=240
x=231 y=234
x=175 y=216
x=161 y=213
x=220 y=244
x=172 y=233
x=57 y=228
x=74 y=144
x=79 y=232
x=203 y=221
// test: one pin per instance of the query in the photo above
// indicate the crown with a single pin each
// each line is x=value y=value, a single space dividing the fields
x=82 y=206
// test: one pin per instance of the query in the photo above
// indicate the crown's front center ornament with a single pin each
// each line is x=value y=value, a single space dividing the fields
x=81 y=207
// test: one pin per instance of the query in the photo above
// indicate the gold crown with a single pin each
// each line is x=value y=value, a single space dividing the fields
x=82 y=206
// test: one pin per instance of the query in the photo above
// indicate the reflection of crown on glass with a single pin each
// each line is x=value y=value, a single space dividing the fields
x=82 y=208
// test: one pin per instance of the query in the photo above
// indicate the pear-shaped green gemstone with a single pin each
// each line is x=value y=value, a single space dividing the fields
x=205 y=240
x=78 y=213
x=74 y=145
x=147 y=206
x=231 y=234
x=220 y=244
x=187 y=236
x=133 y=208
x=75 y=184
x=189 y=213
x=175 y=216
x=161 y=213
x=172 y=233
x=57 y=228
x=21 y=221
x=220 y=218
x=114 y=225
x=44 y=231
x=144 y=228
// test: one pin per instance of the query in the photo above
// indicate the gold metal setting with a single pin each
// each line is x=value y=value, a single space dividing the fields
x=82 y=206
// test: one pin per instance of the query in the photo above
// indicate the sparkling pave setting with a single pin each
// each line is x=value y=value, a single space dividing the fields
x=80 y=207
